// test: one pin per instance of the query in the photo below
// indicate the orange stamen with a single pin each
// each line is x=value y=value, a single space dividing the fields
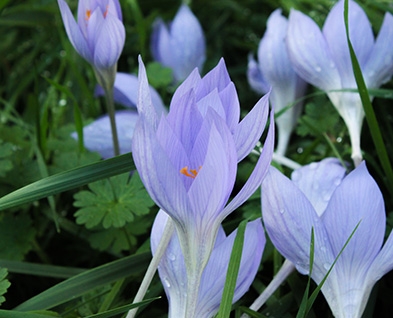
x=106 y=11
x=192 y=173
x=88 y=14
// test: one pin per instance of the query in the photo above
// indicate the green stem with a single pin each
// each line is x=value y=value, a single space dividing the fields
x=111 y=112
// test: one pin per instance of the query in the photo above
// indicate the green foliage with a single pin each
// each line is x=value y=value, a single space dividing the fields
x=112 y=202
x=4 y=284
x=159 y=76
x=5 y=162
x=17 y=234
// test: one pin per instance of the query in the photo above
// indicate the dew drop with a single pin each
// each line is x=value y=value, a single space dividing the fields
x=337 y=182
x=323 y=249
x=166 y=282
x=302 y=268
x=282 y=211
x=171 y=257
x=318 y=69
x=326 y=266
x=299 y=150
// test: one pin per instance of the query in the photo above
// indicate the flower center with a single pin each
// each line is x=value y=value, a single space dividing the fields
x=192 y=173
x=88 y=14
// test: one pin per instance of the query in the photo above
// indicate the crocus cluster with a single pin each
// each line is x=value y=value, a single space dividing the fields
x=181 y=45
x=322 y=59
x=188 y=159
x=173 y=274
x=322 y=197
x=274 y=70
x=98 y=35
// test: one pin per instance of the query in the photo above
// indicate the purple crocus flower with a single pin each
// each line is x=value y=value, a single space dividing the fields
x=98 y=135
x=188 y=159
x=173 y=272
x=320 y=196
x=322 y=59
x=98 y=36
x=181 y=46
x=275 y=70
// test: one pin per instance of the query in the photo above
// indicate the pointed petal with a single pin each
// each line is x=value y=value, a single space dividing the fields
x=191 y=82
x=217 y=78
x=98 y=134
x=289 y=217
x=74 y=32
x=250 y=129
x=379 y=67
x=258 y=174
x=214 y=275
x=309 y=52
x=230 y=102
x=383 y=263
x=212 y=100
x=361 y=36
x=159 y=33
x=318 y=181
x=356 y=199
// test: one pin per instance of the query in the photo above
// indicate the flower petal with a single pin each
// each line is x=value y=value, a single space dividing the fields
x=289 y=217
x=318 y=181
x=250 y=129
x=361 y=36
x=309 y=52
x=255 y=78
x=98 y=134
x=125 y=92
x=214 y=276
x=356 y=200
x=258 y=174
x=74 y=33
x=379 y=67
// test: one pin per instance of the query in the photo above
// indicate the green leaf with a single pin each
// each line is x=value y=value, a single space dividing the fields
x=34 y=314
x=16 y=235
x=68 y=180
x=87 y=281
x=159 y=76
x=112 y=202
x=232 y=272
x=5 y=163
x=4 y=284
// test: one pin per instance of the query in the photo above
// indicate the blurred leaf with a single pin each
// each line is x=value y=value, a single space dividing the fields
x=86 y=281
x=5 y=163
x=68 y=180
x=114 y=202
x=4 y=284
x=33 y=314
x=16 y=236
x=159 y=76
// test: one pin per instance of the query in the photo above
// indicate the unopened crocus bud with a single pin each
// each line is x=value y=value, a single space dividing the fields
x=98 y=35
x=181 y=45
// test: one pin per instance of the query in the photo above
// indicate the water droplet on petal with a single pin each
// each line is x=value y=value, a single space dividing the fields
x=166 y=282
x=171 y=257
x=282 y=211
x=337 y=182
x=318 y=69
x=327 y=266
x=323 y=249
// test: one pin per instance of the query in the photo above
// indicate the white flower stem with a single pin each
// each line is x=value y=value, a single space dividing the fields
x=285 y=161
x=286 y=269
x=166 y=236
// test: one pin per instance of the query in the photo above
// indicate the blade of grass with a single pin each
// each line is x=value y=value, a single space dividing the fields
x=18 y=314
x=232 y=272
x=368 y=109
x=86 y=281
x=68 y=180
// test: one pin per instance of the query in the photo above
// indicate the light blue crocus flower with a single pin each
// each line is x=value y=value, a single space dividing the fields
x=98 y=35
x=173 y=272
x=188 y=159
x=322 y=197
x=322 y=59
x=98 y=135
x=181 y=45
x=275 y=70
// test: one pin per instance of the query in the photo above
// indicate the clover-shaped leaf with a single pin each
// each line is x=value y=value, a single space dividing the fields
x=112 y=202
x=4 y=284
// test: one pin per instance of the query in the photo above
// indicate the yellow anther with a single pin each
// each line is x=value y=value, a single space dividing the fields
x=192 y=173
x=88 y=14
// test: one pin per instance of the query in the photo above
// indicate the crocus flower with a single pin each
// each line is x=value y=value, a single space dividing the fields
x=98 y=134
x=181 y=45
x=322 y=59
x=321 y=197
x=188 y=159
x=173 y=272
x=275 y=70
x=98 y=36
